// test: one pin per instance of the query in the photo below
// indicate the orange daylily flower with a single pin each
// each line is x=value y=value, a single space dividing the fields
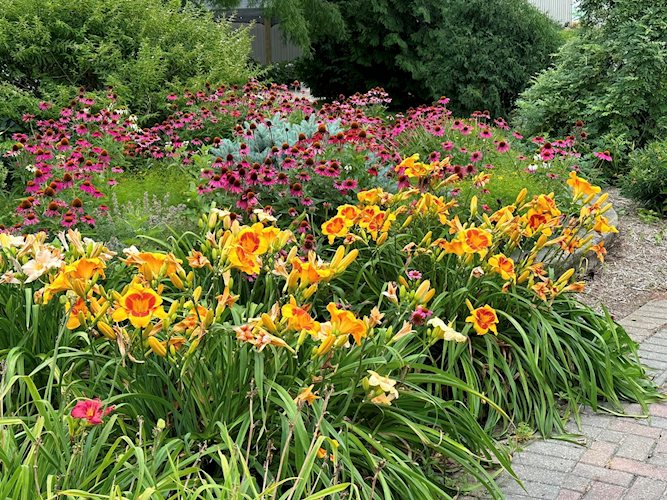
x=139 y=304
x=153 y=265
x=306 y=395
x=475 y=240
x=298 y=318
x=502 y=265
x=483 y=319
x=336 y=227
x=345 y=323
x=599 y=250
x=581 y=186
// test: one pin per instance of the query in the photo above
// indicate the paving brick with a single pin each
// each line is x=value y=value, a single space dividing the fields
x=611 y=436
x=599 y=453
x=655 y=340
x=658 y=410
x=649 y=346
x=558 y=449
x=528 y=458
x=651 y=355
x=589 y=431
x=661 y=444
x=646 y=489
x=534 y=489
x=539 y=474
x=577 y=483
x=600 y=490
x=636 y=448
x=569 y=495
x=658 y=459
x=636 y=427
x=596 y=420
x=616 y=477
x=659 y=423
x=638 y=468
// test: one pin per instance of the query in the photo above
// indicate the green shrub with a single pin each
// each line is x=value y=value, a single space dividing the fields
x=145 y=49
x=481 y=54
x=611 y=76
x=647 y=180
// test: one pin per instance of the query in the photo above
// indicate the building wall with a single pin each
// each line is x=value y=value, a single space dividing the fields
x=281 y=50
x=559 y=10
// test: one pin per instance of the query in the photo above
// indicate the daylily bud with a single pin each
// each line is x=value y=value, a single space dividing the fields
x=310 y=291
x=157 y=347
x=473 y=206
x=383 y=237
x=197 y=293
x=106 y=330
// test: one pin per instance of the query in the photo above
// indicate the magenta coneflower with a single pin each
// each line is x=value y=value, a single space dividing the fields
x=419 y=316
x=476 y=156
x=547 y=154
x=447 y=145
x=296 y=189
x=306 y=201
x=465 y=130
x=517 y=135
x=502 y=146
x=603 y=155
x=413 y=274
x=486 y=133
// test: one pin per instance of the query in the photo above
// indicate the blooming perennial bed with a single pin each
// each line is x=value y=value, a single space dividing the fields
x=369 y=334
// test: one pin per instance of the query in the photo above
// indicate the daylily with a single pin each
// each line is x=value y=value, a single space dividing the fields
x=445 y=332
x=483 y=319
x=139 y=304
x=345 y=323
x=502 y=265
x=91 y=410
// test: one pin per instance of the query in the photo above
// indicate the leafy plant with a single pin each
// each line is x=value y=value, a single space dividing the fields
x=481 y=54
x=145 y=49
x=647 y=179
x=610 y=76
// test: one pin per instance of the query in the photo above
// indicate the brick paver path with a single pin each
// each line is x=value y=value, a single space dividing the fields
x=624 y=458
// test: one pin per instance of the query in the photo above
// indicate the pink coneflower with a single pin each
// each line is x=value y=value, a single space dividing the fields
x=502 y=146
x=486 y=133
x=537 y=140
x=403 y=181
x=603 y=155
x=413 y=274
x=466 y=129
x=547 y=154
x=306 y=201
x=489 y=166
x=172 y=97
x=457 y=125
x=447 y=145
x=517 y=135
x=44 y=105
x=91 y=410
x=475 y=157
x=419 y=316
x=551 y=175
x=296 y=189
x=304 y=227
x=349 y=184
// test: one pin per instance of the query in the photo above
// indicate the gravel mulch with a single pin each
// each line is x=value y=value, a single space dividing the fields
x=635 y=270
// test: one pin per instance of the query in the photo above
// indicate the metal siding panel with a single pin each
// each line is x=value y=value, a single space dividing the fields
x=559 y=10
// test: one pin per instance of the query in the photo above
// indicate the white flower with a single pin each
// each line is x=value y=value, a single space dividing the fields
x=11 y=241
x=532 y=167
x=445 y=332
x=385 y=383
x=43 y=261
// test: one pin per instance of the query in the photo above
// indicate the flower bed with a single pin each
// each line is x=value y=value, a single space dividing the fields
x=373 y=339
